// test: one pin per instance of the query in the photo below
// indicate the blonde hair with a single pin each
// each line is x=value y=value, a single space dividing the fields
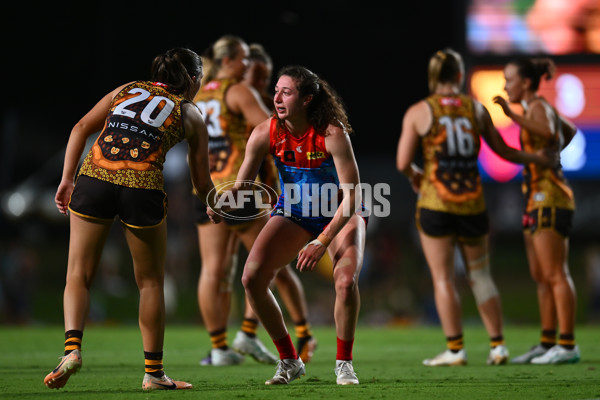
x=445 y=66
x=225 y=46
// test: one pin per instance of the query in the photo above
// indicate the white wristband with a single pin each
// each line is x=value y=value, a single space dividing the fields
x=315 y=242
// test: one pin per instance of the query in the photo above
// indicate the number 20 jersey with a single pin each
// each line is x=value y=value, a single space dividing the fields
x=451 y=181
x=143 y=123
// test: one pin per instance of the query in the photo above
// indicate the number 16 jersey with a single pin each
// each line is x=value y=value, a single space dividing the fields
x=451 y=181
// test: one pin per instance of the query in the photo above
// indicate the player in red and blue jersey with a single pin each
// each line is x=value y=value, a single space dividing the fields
x=304 y=167
x=309 y=138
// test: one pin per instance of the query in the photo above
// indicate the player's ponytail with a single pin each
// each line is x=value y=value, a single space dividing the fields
x=176 y=68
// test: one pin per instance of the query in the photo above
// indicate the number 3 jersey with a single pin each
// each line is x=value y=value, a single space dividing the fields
x=227 y=131
x=451 y=181
x=143 y=123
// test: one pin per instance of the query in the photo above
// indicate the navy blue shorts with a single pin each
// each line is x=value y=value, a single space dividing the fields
x=137 y=208
x=314 y=225
x=438 y=224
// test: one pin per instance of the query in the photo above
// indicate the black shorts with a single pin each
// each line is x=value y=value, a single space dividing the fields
x=437 y=224
x=558 y=219
x=202 y=217
x=137 y=208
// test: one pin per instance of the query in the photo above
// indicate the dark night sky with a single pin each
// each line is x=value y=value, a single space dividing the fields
x=62 y=60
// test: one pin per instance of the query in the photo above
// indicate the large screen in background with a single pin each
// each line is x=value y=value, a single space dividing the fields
x=574 y=91
x=556 y=27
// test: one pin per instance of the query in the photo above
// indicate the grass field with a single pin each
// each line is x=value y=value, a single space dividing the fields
x=386 y=359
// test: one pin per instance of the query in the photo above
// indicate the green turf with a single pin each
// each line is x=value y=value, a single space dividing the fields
x=387 y=360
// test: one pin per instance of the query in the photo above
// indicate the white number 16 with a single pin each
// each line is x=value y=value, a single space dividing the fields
x=458 y=136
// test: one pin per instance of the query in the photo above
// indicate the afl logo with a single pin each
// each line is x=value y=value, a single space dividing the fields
x=249 y=201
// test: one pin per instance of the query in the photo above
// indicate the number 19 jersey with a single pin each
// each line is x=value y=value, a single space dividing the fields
x=451 y=181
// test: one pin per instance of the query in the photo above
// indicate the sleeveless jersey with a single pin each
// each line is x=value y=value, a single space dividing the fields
x=304 y=167
x=544 y=187
x=268 y=171
x=227 y=132
x=143 y=123
x=451 y=181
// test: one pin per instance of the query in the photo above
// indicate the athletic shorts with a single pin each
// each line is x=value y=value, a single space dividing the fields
x=137 y=208
x=438 y=223
x=314 y=225
x=233 y=223
x=558 y=219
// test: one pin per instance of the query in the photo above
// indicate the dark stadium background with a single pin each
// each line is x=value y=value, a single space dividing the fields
x=60 y=59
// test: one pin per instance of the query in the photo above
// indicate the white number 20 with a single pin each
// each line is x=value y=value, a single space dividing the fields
x=149 y=109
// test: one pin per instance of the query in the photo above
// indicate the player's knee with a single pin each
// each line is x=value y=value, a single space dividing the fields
x=555 y=276
x=482 y=284
x=345 y=278
x=249 y=275
x=226 y=280
x=254 y=280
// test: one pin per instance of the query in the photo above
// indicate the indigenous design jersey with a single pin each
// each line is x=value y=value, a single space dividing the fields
x=304 y=167
x=544 y=187
x=451 y=181
x=227 y=132
x=143 y=123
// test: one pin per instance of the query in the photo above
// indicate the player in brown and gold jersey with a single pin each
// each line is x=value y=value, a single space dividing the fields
x=122 y=176
x=451 y=210
x=548 y=210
